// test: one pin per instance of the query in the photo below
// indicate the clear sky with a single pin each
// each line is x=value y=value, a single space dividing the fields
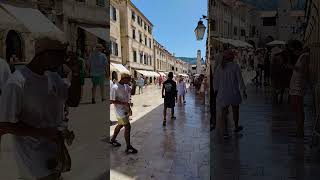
x=174 y=23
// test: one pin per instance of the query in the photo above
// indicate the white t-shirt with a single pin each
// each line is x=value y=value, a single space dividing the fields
x=5 y=72
x=120 y=93
x=37 y=101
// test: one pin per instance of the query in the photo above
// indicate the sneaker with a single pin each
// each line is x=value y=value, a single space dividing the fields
x=164 y=123
x=173 y=118
x=131 y=150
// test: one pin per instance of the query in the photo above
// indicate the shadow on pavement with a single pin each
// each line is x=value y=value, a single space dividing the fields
x=178 y=151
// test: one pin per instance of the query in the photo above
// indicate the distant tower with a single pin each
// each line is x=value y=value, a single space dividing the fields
x=199 y=62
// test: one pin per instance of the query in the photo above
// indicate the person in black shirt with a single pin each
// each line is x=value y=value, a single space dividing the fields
x=169 y=93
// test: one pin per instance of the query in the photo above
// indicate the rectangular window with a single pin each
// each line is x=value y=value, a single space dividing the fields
x=134 y=56
x=243 y=32
x=140 y=37
x=150 y=58
x=141 y=57
x=145 y=26
x=145 y=40
x=114 y=48
x=133 y=16
x=133 y=34
x=150 y=42
x=144 y=59
x=253 y=31
x=139 y=21
x=113 y=13
x=235 y=31
x=100 y=3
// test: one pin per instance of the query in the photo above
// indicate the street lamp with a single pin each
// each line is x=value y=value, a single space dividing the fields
x=200 y=29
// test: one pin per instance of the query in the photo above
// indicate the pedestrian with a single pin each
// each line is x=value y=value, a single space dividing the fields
x=228 y=85
x=31 y=109
x=298 y=84
x=5 y=73
x=140 y=84
x=169 y=93
x=97 y=65
x=182 y=90
x=120 y=99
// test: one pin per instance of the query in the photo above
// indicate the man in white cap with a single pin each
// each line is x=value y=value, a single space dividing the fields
x=31 y=109
x=97 y=65
x=120 y=97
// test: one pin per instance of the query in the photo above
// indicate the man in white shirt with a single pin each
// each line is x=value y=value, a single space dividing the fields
x=5 y=73
x=120 y=97
x=31 y=109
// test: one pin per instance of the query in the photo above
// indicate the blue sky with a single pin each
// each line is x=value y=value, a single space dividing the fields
x=174 y=23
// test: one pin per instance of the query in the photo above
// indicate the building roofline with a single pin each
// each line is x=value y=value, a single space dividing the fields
x=135 y=7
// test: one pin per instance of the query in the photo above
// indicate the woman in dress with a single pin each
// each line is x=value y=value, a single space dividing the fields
x=228 y=85
x=182 y=89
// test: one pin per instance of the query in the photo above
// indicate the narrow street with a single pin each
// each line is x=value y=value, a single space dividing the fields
x=179 y=151
x=266 y=149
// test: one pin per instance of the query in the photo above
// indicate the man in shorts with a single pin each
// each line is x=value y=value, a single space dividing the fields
x=120 y=97
x=97 y=65
x=169 y=93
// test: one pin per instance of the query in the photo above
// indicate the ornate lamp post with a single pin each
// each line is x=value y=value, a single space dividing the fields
x=200 y=29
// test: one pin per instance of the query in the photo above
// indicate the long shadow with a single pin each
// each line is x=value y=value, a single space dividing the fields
x=178 y=151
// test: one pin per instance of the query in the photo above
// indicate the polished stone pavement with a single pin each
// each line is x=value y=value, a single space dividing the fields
x=266 y=149
x=179 y=151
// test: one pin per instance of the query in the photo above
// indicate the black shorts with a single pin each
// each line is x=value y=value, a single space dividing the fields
x=169 y=103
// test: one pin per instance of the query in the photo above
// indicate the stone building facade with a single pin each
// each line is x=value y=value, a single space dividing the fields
x=163 y=58
x=84 y=23
x=136 y=39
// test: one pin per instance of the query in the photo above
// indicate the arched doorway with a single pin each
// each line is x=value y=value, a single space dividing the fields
x=13 y=45
x=114 y=75
x=81 y=41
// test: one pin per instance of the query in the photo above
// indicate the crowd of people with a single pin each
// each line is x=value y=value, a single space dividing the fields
x=284 y=69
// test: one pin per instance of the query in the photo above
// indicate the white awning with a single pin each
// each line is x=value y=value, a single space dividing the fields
x=35 y=22
x=97 y=31
x=120 y=68
x=184 y=75
x=162 y=74
x=148 y=73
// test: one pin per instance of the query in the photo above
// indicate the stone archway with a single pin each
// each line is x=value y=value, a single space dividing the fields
x=13 y=45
